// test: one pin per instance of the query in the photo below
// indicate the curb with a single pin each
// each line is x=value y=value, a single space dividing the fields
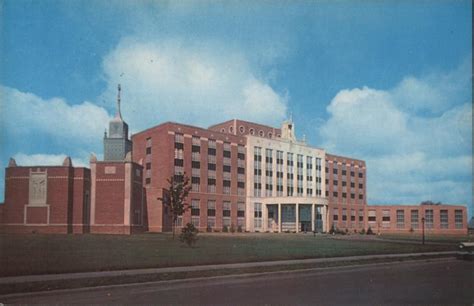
x=89 y=275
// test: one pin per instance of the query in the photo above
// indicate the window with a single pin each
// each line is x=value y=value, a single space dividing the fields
x=361 y=215
x=240 y=210
x=353 y=216
x=261 y=133
x=385 y=215
x=148 y=181
x=429 y=218
x=148 y=150
x=241 y=129
x=334 y=194
x=196 y=165
x=344 y=214
x=211 y=208
x=334 y=171
x=361 y=186
x=257 y=215
x=361 y=196
x=335 y=182
x=372 y=216
x=335 y=214
x=400 y=218
x=443 y=218
x=195 y=209
x=211 y=167
x=458 y=218
x=361 y=175
x=226 y=209
x=414 y=217
x=211 y=151
x=252 y=131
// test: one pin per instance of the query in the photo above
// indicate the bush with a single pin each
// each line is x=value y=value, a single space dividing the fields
x=362 y=231
x=209 y=229
x=369 y=231
x=239 y=228
x=332 y=231
x=411 y=230
x=232 y=228
x=189 y=234
x=225 y=229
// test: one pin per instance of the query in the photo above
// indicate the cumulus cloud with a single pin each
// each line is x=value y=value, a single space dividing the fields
x=47 y=160
x=30 y=116
x=209 y=81
x=415 y=137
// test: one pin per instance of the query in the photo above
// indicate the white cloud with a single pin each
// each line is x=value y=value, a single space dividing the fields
x=47 y=160
x=208 y=80
x=416 y=138
x=27 y=115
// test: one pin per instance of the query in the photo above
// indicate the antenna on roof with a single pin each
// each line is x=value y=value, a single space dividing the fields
x=118 y=113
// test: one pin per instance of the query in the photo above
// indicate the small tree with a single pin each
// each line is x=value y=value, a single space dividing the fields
x=189 y=234
x=369 y=231
x=175 y=197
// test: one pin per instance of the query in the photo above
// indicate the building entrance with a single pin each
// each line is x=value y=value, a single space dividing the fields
x=305 y=226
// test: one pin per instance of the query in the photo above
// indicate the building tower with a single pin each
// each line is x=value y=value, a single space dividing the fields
x=117 y=144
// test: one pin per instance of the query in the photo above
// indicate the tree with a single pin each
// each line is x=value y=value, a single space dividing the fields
x=189 y=234
x=175 y=197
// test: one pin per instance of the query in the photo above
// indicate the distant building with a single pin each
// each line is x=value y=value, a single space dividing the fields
x=244 y=175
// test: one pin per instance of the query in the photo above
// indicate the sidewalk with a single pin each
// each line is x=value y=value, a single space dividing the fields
x=11 y=280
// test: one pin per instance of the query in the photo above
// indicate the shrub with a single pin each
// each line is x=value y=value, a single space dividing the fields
x=411 y=230
x=209 y=229
x=369 y=231
x=332 y=231
x=232 y=228
x=189 y=234
x=362 y=231
x=225 y=229
x=239 y=228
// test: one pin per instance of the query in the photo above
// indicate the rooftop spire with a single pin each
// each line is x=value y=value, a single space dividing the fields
x=118 y=114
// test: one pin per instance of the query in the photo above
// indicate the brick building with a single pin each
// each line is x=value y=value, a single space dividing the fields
x=243 y=175
x=53 y=199
x=437 y=219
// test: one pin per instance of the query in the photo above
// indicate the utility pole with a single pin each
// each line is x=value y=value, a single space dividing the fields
x=423 y=230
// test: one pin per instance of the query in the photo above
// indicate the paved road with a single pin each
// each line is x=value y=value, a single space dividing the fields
x=443 y=282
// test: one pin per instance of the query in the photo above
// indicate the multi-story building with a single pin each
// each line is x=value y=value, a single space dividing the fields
x=243 y=175
x=346 y=192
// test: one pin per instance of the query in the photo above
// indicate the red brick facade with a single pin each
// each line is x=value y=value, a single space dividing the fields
x=346 y=192
x=164 y=146
x=403 y=219
x=65 y=208
x=117 y=198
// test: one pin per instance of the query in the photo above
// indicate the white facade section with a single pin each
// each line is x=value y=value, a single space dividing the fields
x=285 y=186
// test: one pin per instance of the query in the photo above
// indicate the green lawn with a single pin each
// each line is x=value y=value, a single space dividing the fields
x=455 y=239
x=37 y=254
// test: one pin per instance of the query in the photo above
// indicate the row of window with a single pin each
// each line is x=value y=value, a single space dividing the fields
x=211 y=212
x=344 y=184
x=415 y=218
x=344 y=195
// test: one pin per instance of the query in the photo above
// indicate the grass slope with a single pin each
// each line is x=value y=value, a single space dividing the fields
x=42 y=254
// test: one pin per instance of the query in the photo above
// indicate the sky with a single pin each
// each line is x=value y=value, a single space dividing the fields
x=388 y=82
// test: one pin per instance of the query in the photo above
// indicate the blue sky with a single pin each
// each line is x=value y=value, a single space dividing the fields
x=384 y=81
